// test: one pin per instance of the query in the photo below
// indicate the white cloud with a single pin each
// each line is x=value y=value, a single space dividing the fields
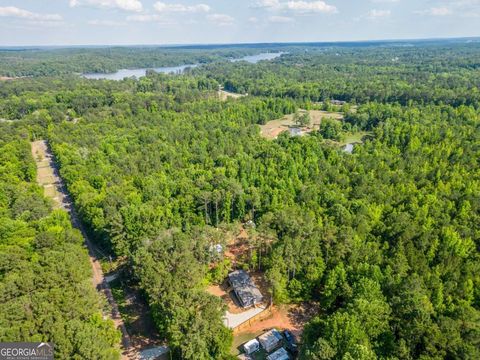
x=163 y=7
x=15 y=12
x=309 y=7
x=97 y=22
x=440 y=11
x=377 y=14
x=152 y=18
x=280 y=19
x=384 y=1
x=435 y=11
x=127 y=5
x=295 y=6
x=253 y=20
x=144 y=18
x=269 y=4
x=221 y=19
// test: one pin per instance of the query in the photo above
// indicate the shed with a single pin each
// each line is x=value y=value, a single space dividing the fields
x=244 y=288
x=270 y=340
x=280 y=354
x=251 y=346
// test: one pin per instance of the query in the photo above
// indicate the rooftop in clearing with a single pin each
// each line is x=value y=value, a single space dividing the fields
x=273 y=128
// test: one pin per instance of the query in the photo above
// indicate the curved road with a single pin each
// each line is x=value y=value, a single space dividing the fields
x=48 y=177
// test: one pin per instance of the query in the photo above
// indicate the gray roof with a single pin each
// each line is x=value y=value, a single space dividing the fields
x=270 y=339
x=246 y=291
x=280 y=354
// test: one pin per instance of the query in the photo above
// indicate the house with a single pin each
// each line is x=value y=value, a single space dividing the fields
x=244 y=288
x=337 y=102
x=280 y=354
x=251 y=346
x=271 y=340
x=295 y=131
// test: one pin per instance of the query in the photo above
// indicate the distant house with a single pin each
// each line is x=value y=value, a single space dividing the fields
x=337 y=102
x=295 y=131
x=251 y=346
x=250 y=223
x=244 y=288
x=271 y=340
x=280 y=354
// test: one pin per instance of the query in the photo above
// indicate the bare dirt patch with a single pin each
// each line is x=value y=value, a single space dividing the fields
x=228 y=297
x=285 y=317
x=273 y=128
x=238 y=248
x=225 y=95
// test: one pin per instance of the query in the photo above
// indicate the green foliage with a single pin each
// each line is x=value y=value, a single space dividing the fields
x=302 y=119
x=46 y=292
x=219 y=272
x=385 y=239
x=331 y=129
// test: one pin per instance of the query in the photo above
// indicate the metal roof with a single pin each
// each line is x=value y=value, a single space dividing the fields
x=246 y=291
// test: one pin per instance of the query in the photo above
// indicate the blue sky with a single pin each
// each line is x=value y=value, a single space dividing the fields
x=96 y=22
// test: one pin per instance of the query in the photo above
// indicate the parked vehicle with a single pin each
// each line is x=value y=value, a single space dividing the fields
x=289 y=336
x=291 y=345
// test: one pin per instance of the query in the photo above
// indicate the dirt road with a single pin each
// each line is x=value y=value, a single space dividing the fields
x=54 y=188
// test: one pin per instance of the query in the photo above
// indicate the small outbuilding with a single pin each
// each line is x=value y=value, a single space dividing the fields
x=251 y=346
x=244 y=288
x=337 y=102
x=271 y=340
x=280 y=354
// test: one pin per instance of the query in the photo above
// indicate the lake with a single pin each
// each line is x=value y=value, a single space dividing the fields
x=253 y=59
x=125 y=73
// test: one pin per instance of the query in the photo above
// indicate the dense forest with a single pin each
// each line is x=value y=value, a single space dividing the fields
x=385 y=239
x=45 y=276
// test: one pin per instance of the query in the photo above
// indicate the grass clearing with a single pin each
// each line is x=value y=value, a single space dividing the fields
x=357 y=137
x=274 y=127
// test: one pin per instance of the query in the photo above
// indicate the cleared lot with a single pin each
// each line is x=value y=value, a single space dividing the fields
x=273 y=128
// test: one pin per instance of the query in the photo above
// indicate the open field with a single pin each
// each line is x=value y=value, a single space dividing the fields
x=273 y=128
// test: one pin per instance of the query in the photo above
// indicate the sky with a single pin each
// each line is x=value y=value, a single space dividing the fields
x=129 y=22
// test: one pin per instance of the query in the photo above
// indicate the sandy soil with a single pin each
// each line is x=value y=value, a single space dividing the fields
x=290 y=317
x=273 y=128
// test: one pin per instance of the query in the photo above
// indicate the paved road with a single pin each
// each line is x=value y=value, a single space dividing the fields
x=48 y=177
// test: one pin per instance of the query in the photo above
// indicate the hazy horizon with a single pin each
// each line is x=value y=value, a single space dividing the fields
x=244 y=44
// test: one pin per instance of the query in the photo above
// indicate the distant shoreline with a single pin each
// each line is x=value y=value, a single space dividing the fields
x=246 y=44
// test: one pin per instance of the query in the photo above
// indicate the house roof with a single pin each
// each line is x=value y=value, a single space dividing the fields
x=270 y=338
x=280 y=354
x=246 y=291
x=251 y=345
